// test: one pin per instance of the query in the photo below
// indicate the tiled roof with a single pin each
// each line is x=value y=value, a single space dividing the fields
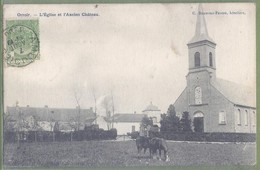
x=127 y=117
x=236 y=93
x=49 y=114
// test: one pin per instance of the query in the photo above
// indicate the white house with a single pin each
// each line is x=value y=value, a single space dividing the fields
x=126 y=122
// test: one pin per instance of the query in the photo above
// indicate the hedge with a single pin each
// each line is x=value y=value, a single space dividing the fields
x=205 y=137
x=210 y=137
x=47 y=136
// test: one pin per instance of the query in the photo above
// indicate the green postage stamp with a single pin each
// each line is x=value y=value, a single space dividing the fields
x=21 y=42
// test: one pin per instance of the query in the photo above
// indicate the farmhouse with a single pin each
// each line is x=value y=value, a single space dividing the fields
x=215 y=105
x=46 y=119
x=130 y=122
x=126 y=122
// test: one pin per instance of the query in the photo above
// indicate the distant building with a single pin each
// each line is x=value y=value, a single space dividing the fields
x=215 y=105
x=130 y=122
x=126 y=122
x=153 y=112
x=45 y=118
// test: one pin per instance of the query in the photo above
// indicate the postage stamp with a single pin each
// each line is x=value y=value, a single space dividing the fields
x=21 y=42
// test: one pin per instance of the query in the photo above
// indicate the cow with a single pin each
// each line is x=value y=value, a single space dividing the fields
x=142 y=143
x=158 y=144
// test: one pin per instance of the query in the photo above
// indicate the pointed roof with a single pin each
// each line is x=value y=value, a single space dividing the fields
x=151 y=107
x=201 y=32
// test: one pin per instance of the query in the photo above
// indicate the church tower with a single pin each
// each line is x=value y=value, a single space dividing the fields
x=201 y=47
x=202 y=65
x=213 y=103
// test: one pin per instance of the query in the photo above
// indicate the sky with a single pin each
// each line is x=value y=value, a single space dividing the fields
x=137 y=52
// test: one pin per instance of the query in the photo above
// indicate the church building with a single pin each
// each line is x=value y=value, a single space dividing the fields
x=214 y=105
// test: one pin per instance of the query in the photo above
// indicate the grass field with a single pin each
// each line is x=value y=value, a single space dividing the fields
x=124 y=153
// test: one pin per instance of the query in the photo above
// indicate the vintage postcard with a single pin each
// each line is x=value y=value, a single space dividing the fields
x=129 y=85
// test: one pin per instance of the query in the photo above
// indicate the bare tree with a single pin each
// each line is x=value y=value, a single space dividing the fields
x=95 y=100
x=19 y=123
x=30 y=123
x=113 y=108
x=75 y=121
x=52 y=124
x=107 y=105
x=78 y=115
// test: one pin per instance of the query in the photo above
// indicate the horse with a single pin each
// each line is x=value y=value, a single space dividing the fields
x=142 y=143
x=159 y=144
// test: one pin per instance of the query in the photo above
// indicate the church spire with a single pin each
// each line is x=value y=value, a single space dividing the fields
x=201 y=26
x=201 y=32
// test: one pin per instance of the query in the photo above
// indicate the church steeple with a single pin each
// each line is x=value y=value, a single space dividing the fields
x=201 y=32
x=201 y=48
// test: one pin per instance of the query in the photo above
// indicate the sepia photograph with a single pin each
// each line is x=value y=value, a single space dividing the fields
x=129 y=85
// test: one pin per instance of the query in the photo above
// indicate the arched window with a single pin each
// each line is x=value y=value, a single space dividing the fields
x=254 y=118
x=246 y=117
x=197 y=59
x=198 y=95
x=210 y=60
x=239 y=117
x=222 y=118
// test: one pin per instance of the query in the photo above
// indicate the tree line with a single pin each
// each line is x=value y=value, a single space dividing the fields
x=170 y=122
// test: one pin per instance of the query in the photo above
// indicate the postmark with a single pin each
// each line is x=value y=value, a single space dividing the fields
x=22 y=45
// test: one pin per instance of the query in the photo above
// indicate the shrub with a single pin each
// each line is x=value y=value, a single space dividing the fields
x=133 y=135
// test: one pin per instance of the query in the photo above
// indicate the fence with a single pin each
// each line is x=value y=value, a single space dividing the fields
x=47 y=136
